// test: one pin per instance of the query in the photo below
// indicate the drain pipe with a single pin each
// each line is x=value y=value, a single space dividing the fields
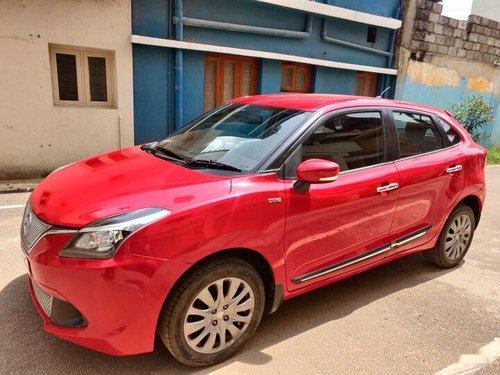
x=390 y=59
x=393 y=41
x=201 y=23
x=328 y=39
x=179 y=35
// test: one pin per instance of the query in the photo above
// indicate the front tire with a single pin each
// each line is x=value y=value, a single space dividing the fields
x=454 y=240
x=213 y=312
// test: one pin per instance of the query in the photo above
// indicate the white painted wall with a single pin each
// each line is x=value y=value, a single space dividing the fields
x=36 y=136
x=487 y=9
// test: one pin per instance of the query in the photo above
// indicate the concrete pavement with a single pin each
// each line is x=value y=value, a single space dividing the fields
x=405 y=317
x=18 y=186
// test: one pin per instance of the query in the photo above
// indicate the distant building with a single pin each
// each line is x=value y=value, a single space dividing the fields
x=201 y=53
x=66 y=82
x=84 y=77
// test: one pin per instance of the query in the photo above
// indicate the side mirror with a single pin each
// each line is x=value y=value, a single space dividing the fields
x=315 y=171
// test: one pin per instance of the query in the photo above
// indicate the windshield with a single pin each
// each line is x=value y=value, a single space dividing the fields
x=237 y=136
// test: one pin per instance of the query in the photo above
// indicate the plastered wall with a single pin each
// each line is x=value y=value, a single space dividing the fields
x=442 y=61
x=35 y=135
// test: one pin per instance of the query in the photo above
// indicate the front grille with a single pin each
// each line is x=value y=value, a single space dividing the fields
x=32 y=228
x=44 y=299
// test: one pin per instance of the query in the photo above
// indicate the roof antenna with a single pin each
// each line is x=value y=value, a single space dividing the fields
x=383 y=92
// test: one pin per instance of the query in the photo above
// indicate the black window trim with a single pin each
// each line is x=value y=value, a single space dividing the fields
x=280 y=158
x=444 y=139
x=275 y=161
x=437 y=120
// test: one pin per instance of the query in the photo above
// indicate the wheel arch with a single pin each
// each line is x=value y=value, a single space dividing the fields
x=474 y=203
x=274 y=292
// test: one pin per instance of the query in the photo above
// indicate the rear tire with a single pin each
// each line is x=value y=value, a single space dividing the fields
x=454 y=240
x=213 y=312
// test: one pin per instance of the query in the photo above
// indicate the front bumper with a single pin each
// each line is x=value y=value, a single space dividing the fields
x=59 y=312
x=111 y=305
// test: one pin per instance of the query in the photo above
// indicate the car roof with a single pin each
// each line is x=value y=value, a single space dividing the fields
x=328 y=102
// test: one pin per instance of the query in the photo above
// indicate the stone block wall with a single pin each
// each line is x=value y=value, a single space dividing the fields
x=442 y=61
x=477 y=39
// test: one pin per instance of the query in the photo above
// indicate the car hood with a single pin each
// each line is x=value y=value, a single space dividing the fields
x=121 y=181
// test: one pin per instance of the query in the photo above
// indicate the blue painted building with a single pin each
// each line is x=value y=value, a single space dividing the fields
x=192 y=55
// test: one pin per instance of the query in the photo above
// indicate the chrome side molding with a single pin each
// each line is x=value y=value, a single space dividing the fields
x=362 y=257
x=338 y=266
x=411 y=237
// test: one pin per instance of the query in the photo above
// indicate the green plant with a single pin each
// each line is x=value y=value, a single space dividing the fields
x=473 y=114
x=494 y=155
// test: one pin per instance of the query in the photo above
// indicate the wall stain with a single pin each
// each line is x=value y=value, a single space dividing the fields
x=431 y=75
x=479 y=84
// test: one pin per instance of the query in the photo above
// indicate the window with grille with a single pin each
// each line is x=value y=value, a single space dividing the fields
x=295 y=77
x=366 y=84
x=228 y=77
x=82 y=77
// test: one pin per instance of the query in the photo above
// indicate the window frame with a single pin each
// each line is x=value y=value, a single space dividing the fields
x=219 y=60
x=434 y=118
x=445 y=136
x=295 y=67
x=364 y=76
x=279 y=160
x=55 y=78
x=83 y=77
x=109 y=81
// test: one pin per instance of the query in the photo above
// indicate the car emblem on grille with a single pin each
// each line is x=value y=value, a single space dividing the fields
x=27 y=223
x=32 y=229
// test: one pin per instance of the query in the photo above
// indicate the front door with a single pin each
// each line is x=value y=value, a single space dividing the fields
x=339 y=226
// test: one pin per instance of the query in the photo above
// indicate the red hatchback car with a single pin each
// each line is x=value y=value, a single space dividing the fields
x=253 y=203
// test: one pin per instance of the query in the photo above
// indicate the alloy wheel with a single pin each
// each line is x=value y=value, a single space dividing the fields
x=218 y=315
x=458 y=237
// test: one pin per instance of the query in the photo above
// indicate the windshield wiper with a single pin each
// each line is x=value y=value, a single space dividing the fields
x=172 y=155
x=211 y=164
x=169 y=153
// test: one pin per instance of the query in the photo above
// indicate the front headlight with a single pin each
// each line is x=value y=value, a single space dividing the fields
x=101 y=239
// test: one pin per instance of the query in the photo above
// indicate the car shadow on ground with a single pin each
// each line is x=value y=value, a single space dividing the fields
x=26 y=348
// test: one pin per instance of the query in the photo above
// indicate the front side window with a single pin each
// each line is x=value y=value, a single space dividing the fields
x=237 y=136
x=417 y=134
x=82 y=77
x=352 y=140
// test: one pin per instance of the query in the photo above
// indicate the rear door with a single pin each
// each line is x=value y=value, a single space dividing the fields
x=431 y=177
x=337 y=227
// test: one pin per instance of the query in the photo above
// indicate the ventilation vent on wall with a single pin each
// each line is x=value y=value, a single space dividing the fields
x=371 y=36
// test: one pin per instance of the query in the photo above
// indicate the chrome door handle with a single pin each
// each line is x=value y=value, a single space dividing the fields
x=456 y=168
x=389 y=187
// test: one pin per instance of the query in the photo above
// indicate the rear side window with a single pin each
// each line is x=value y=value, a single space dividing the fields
x=417 y=134
x=452 y=135
x=353 y=140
